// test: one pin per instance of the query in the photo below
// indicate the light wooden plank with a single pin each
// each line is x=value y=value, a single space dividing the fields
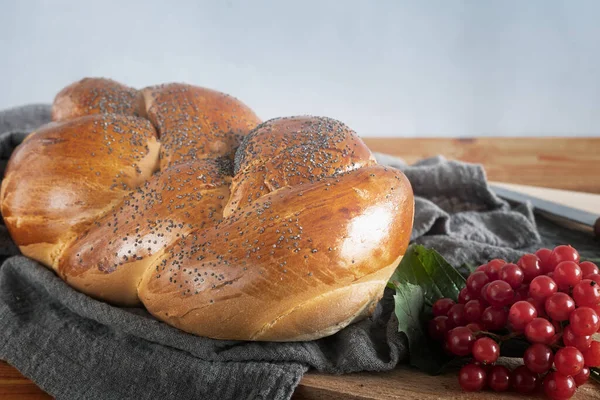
x=561 y=163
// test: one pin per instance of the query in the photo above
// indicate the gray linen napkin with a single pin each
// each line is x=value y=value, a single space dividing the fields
x=75 y=347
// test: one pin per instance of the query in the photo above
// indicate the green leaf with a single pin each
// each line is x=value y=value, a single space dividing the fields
x=423 y=353
x=422 y=277
x=409 y=304
x=427 y=269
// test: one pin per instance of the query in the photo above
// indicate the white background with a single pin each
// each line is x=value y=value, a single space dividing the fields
x=386 y=68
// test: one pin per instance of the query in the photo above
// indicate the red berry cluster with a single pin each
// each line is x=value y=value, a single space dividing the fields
x=549 y=298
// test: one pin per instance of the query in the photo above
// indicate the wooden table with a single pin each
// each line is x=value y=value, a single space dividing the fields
x=560 y=163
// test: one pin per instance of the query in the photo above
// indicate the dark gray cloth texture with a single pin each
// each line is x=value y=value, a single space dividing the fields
x=75 y=347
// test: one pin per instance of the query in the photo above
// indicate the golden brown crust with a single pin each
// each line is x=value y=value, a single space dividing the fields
x=195 y=122
x=293 y=151
x=68 y=173
x=94 y=96
x=287 y=248
x=126 y=240
x=331 y=311
x=296 y=244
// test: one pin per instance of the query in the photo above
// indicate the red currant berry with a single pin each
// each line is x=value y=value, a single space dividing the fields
x=447 y=349
x=472 y=378
x=568 y=361
x=581 y=343
x=591 y=356
x=473 y=310
x=442 y=306
x=558 y=386
x=522 y=293
x=563 y=253
x=460 y=341
x=539 y=306
x=493 y=268
x=483 y=293
x=540 y=330
x=499 y=293
x=523 y=380
x=520 y=314
x=544 y=256
x=542 y=287
x=494 y=319
x=475 y=283
x=481 y=268
x=486 y=350
x=538 y=358
x=456 y=315
x=582 y=377
x=586 y=293
x=499 y=378
x=464 y=295
x=530 y=265
x=511 y=274
x=438 y=327
x=588 y=268
x=566 y=275
x=559 y=306
x=475 y=327
x=584 y=321
x=594 y=277
x=596 y=308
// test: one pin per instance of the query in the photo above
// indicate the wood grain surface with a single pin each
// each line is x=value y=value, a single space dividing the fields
x=14 y=386
x=560 y=163
x=405 y=384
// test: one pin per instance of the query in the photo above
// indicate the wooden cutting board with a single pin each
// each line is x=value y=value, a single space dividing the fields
x=406 y=384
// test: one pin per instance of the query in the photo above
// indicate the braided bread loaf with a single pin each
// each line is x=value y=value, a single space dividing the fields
x=179 y=198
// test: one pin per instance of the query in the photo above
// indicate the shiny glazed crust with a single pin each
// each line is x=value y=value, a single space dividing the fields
x=178 y=198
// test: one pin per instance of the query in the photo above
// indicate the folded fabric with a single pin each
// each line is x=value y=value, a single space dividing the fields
x=75 y=347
